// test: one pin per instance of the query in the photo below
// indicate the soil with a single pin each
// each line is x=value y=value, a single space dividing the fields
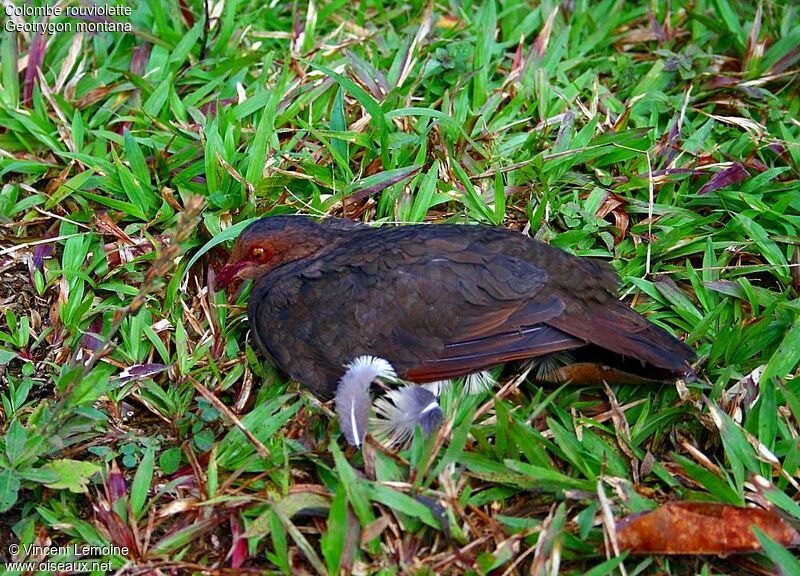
x=17 y=295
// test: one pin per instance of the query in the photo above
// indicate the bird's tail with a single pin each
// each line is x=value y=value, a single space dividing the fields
x=621 y=329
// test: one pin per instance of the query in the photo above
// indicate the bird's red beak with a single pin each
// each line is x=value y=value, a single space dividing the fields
x=228 y=273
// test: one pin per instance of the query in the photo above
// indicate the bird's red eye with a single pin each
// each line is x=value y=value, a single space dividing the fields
x=259 y=254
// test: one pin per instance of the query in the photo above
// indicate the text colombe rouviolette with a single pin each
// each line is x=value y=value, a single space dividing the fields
x=79 y=12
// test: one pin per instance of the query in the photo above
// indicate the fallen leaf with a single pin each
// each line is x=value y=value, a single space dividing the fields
x=701 y=528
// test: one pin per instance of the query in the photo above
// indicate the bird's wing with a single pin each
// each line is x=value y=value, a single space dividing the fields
x=435 y=307
x=474 y=315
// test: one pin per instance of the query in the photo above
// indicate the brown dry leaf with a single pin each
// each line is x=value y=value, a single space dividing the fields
x=94 y=96
x=615 y=205
x=109 y=227
x=120 y=253
x=638 y=36
x=125 y=249
x=168 y=194
x=54 y=184
x=543 y=39
x=701 y=528
x=447 y=21
x=756 y=130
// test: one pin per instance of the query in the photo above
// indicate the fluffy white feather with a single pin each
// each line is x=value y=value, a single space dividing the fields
x=369 y=367
x=479 y=382
x=439 y=387
x=401 y=410
x=353 y=398
x=549 y=367
x=474 y=383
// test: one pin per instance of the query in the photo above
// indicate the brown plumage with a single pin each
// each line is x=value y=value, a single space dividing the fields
x=436 y=301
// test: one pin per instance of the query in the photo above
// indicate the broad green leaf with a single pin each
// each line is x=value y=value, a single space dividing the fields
x=9 y=488
x=73 y=475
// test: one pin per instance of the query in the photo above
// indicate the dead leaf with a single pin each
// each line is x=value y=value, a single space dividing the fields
x=701 y=528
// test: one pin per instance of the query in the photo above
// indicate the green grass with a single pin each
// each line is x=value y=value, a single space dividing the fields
x=666 y=142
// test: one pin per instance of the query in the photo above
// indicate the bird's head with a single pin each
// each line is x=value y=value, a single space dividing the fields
x=270 y=242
